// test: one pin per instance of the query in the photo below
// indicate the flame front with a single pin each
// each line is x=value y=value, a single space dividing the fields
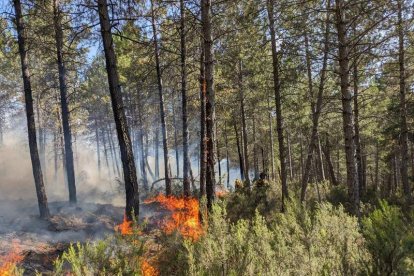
x=8 y=262
x=185 y=215
x=125 y=228
x=148 y=270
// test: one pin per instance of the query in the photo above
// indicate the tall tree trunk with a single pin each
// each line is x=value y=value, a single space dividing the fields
x=210 y=100
x=244 y=127
x=255 y=154
x=157 y=152
x=289 y=148
x=239 y=151
x=186 y=154
x=227 y=155
x=218 y=155
x=177 y=154
x=347 y=112
x=31 y=126
x=403 y=104
x=278 y=98
x=272 y=150
x=127 y=156
x=203 y=141
x=356 y=126
x=316 y=109
x=67 y=134
x=168 y=188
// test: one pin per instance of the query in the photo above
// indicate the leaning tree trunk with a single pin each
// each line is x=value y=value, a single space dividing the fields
x=210 y=100
x=31 y=126
x=67 y=134
x=127 y=156
x=403 y=105
x=347 y=112
x=277 y=90
x=316 y=110
x=186 y=155
x=168 y=188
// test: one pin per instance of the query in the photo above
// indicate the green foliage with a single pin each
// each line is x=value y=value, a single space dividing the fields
x=115 y=255
x=390 y=239
x=325 y=241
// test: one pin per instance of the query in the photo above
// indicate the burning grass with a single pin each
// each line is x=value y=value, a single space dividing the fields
x=9 y=261
x=185 y=215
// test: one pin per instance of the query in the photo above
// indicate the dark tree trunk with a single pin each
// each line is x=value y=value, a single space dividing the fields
x=255 y=154
x=67 y=134
x=186 y=154
x=157 y=152
x=246 y=168
x=168 y=188
x=210 y=100
x=236 y=132
x=177 y=154
x=218 y=156
x=316 y=109
x=31 y=126
x=203 y=155
x=347 y=112
x=227 y=156
x=277 y=90
x=357 y=137
x=403 y=104
x=272 y=150
x=127 y=156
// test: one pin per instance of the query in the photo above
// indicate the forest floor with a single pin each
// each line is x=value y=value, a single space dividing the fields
x=39 y=242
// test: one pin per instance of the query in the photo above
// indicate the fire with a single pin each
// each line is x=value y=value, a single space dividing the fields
x=125 y=227
x=8 y=262
x=148 y=270
x=221 y=193
x=185 y=215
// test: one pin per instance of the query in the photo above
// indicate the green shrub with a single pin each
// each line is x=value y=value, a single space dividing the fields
x=325 y=241
x=115 y=255
x=390 y=239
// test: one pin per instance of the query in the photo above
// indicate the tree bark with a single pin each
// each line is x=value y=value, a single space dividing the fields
x=186 y=154
x=67 y=133
x=239 y=150
x=403 y=105
x=210 y=100
x=168 y=188
x=244 y=128
x=203 y=156
x=316 y=109
x=127 y=156
x=347 y=112
x=278 y=98
x=31 y=126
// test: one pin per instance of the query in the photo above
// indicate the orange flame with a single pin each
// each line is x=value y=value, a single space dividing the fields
x=8 y=262
x=185 y=215
x=221 y=193
x=148 y=270
x=125 y=228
